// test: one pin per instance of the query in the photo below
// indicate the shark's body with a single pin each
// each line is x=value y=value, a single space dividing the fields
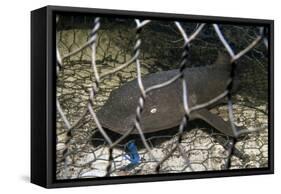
x=163 y=107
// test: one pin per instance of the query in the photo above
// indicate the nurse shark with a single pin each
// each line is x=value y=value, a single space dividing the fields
x=163 y=107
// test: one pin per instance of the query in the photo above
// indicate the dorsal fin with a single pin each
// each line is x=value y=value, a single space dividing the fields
x=223 y=63
x=223 y=60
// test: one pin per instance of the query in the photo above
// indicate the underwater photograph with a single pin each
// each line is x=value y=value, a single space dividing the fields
x=141 y=96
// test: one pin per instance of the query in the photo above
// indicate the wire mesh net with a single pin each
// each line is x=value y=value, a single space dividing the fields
x=96 y=56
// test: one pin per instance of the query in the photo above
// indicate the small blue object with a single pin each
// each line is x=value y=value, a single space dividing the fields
x=132 y=153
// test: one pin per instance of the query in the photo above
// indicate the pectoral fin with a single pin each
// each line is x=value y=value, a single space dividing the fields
x=222 y=126
x=215 y=121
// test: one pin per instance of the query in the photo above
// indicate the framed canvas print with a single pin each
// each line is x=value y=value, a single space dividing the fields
x=125 y=96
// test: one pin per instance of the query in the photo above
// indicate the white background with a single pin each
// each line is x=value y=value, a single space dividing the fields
x=15 y=95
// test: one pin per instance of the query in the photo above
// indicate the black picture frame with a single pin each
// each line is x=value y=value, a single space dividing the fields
x=43 y=109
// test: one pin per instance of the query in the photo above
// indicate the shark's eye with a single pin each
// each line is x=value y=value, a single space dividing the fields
x=153 y=110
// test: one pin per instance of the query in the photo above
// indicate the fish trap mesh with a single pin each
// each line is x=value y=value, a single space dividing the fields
x=98 y=55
